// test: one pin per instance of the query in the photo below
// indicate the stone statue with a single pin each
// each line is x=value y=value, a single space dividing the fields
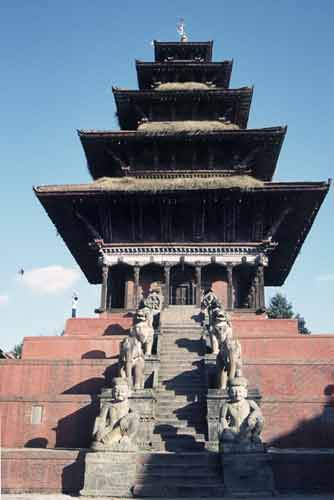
x=219 y=328
x=211 y=304
x=154 y=302
x=116 y=426
x=143 y=330
x=241 y=420
x=210 y=301
x=131 y=362
x=228 y=361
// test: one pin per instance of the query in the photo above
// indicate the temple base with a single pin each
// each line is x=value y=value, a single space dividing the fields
x=247 y=474
x=109 y=474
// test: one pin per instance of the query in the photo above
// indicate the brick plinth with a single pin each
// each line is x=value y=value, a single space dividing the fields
x=42 y=471
x=71 y=347
x=108 y=324
x=49 y=398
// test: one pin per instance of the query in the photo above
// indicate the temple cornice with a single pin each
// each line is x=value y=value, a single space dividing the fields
x=118 y=153
x=282 y=212
x=178 y=50
x=150 y=73
x=201 y=104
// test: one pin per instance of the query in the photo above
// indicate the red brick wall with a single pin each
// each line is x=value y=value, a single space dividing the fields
x=71 y=347
x=295 y=374
x=60 y=471
x=33 y=377
x=111 y=324
x=48 y=471
x=220 y=289
x=67 y=421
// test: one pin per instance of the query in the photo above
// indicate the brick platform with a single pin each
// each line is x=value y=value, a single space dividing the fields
x=60 y=471
x=62 y=377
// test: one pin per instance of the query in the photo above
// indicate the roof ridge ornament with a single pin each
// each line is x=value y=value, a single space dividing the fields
x=181 y=29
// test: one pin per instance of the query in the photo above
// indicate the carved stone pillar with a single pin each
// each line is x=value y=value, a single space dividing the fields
x=229 y=286
x=104 y=287
x=136 y=272
x=198 y=271
x=167 y=284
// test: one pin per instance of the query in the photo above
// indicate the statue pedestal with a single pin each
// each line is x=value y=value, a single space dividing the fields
x=215 y=399
x=142 y=402
x=109 y=474
x=247 y=474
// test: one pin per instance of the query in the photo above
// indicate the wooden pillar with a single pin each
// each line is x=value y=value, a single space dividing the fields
x=260 y=275
x=202 y=230
x=141 y=225
x=156 y=161
x=198 y=271
x=133 y=221
x=136 y=272
x=173 y=111
x=211 y=157
x=229 y=286
x=167 y=284
x=104 y=287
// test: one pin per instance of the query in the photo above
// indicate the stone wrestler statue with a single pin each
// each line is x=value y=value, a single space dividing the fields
x=116 y=426
x=241 y=420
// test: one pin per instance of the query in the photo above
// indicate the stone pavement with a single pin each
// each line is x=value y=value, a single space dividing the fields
x=32 y=496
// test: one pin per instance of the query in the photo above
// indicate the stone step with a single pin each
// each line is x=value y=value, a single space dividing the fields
x=181 y=459
x=193 y=365
x=183 y=478
x=182 y=399
x=181 y=387
x=184 y=351
x=175 y=418
x=181 y=327
x=181 y=333
x=183 y=443
x=179 y=379
x=192 y=371
x=177 y=391
x=169 y=396
x=180 y=357
x=180 y=432
x=172 y=420
x=182 y=414
x=188 y=416
x=170 y=403
x=180 y=470
x=168 y=489
x=169 y=335
x=177 y=357
x=170 y=360
x=188 y=419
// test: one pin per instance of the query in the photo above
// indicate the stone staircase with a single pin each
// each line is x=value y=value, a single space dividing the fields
x=181 y=465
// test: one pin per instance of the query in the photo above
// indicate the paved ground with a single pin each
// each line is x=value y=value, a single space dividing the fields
x=67 y=497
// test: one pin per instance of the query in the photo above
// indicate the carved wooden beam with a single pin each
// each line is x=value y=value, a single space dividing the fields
x=124 y=169
x=88 y=225
x=275 y=226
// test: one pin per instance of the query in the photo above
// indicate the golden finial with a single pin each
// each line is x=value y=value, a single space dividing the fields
x=181 y=29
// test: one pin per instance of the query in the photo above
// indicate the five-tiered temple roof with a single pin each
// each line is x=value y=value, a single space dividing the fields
x=184 y=176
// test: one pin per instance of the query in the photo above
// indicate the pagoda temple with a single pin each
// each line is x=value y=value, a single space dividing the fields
x=181 y=202
x=182 y=195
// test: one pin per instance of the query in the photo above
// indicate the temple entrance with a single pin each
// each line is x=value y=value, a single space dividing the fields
x=119 y=281
x=182 y=286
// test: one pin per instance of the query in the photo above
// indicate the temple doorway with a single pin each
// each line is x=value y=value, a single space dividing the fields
x=120 y=280
x=214 y=276
x=182 y=286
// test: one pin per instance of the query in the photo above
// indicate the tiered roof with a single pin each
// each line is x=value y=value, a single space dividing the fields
x=183 y=135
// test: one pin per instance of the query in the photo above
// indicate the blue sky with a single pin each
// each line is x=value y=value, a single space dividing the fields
x=58 y=61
